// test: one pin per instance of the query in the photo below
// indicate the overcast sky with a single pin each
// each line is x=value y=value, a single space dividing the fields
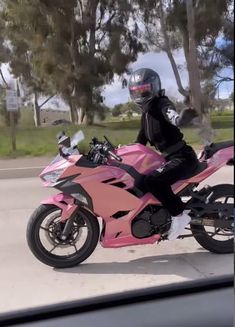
x=114 y=93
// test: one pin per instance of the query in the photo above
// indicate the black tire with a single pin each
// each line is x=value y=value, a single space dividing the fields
x=200 y=234
x=42 y=254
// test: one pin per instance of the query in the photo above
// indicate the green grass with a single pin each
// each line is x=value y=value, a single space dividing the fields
x=222 y=121
x=42 y=141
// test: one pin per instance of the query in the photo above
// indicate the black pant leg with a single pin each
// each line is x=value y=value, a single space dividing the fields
x=159 y=184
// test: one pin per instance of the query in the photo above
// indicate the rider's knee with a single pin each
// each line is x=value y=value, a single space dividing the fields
x=152 y=180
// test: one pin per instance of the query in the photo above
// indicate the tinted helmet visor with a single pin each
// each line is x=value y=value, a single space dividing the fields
x=139 y=93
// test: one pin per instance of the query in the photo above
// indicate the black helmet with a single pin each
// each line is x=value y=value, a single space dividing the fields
x=144 y=85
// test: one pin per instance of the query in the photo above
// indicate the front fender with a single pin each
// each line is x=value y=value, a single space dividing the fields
x=64 y=202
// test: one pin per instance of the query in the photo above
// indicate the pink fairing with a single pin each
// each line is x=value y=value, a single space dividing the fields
x=108 y=199
x=218 y=160
x=142 y=158
x=65 y=165
x=122 y=227
x=63 y=202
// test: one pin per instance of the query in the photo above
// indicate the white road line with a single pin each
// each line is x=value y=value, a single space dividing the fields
x=21 y=168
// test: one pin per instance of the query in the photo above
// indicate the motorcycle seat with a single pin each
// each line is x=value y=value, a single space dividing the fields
x=201 y=167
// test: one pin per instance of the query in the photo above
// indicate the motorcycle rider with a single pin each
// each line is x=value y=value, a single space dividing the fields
x=160 y=124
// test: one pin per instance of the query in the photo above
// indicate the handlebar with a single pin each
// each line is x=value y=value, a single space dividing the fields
x=100 y=151
x=107 y=140
x=114 y=156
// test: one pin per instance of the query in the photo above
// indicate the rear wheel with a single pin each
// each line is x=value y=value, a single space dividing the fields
x=47 y=244
x=215 y=239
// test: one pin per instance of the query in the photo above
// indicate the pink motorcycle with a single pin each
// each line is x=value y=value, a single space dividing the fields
x=107 y=184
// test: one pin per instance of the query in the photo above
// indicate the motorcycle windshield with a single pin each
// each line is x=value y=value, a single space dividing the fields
x=69 y=151
x=56 y=159
x=77 y=138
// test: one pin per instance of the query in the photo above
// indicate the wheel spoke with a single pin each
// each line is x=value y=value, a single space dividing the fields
x=226 y=199
x=224 y=235
x=49 y=232
x=53 y=248
x=46 y=229
x=74 y=245
x=215 y=233
x=219 y=234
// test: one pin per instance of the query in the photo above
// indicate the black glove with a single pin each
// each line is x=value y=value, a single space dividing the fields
x=186 y=116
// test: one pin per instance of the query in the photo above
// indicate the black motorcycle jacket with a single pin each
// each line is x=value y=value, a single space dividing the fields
x=159 y=126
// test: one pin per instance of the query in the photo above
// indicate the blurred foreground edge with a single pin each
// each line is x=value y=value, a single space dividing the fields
x=179 y=303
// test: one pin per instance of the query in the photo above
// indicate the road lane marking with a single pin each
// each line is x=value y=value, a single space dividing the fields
x=22 y=168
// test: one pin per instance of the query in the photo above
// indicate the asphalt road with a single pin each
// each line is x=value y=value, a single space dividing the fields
x=23 y=167
x=25 y=282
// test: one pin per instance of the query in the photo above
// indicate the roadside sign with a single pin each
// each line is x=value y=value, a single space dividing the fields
x=12 y=105
x=12 y=100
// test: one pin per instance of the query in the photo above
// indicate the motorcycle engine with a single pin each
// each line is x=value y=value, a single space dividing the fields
x=149 y=222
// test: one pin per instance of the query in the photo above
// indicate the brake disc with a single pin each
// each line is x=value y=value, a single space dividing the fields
x=53 y=235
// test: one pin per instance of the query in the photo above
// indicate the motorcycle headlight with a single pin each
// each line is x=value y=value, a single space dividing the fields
x=53 y=176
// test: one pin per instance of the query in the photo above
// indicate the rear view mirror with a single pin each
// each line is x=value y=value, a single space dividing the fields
x=59 y=135
x=64 y=141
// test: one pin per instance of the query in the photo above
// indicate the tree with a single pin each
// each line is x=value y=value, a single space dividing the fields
x=159 y=36
x=178 y=24
x=226 y=48
x=191 y=58
x=76 y=46
x=216 y=52
x=116 y=111
x=199 y=37
x=3 y=79
x=232 y=96
x=130 y=108
x=3 y=53
x=22 y=60
x=4 y=84
x=101 y=111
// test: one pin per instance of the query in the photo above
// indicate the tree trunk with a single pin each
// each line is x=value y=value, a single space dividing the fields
x=176 y=73
x=92 y=39
x=73 y=113
x=191 y=57
x=90 y=118
x=167 y=49
x=3 y=78
x=81 y=116
x=37 y=120
x=85 y=112
x=88 y=108
x=194 y=76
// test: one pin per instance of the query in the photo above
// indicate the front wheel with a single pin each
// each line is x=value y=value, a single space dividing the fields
x=213 y=239
x=46 y=243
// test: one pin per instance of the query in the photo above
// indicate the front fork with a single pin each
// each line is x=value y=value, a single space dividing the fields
x=68 y=211
x=68 y=226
